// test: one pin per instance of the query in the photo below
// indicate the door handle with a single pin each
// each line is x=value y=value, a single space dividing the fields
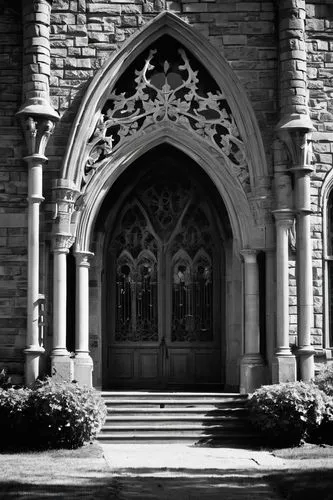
x=164 y=348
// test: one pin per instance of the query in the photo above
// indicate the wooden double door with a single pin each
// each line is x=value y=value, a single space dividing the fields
x=164 y=285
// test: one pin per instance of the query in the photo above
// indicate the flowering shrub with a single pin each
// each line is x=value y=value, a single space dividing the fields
x=65 y=415
x=289 y=414
x=14 y=425
x=50 y=415
x=324 y=380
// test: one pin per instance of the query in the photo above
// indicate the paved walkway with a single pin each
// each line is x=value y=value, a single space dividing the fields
x=181 y=458
x=184 y=472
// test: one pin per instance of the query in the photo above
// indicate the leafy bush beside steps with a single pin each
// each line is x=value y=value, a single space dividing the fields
x=50 y=415
x=292 y=413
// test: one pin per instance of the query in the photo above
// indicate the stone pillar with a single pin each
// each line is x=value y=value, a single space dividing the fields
x=36 y=58
x=65 y=195
x=38 y=130
x=61 y=363
x=33 y=348
x=292 y=50
x=294 y=129
x=252 y=370
x=304 y=271
x=284 y=364
x=83 y=365
x=38 y=119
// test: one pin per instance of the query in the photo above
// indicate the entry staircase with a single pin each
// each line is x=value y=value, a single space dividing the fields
x=156 y=417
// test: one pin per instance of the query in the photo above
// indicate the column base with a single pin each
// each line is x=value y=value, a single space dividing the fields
x=31 y=366
x=62 y=367
x=306 y=362
x=283 y=369
x=83 y=368
x=253 y=373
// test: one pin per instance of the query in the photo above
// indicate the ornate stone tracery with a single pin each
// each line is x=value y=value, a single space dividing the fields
x=172 y=90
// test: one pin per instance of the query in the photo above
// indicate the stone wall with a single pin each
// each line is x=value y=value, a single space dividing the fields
x=13 y=192
x=84 y=34
x=319 y=29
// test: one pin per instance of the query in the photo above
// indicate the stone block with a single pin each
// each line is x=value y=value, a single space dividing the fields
x=283 y=369
x=234 y=40
x=63 y=18
x=315 y=25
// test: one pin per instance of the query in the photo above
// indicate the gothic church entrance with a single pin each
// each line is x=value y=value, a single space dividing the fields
x=164 y=276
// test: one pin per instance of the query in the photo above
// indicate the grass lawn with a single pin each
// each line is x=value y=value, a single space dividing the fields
x=306 y=452
x=307 y=474
x=54 y=474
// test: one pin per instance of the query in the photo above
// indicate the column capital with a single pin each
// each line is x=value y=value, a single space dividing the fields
x=302 y=169
x=37 y=131
x=35 y=159
x=284 y=217
x=298 y=140
x=83 y=258
x=249 y=255
x=65 y=195
x=62 y=242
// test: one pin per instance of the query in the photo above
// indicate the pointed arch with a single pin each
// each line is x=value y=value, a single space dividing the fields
x=165 y=23
x=241 y=218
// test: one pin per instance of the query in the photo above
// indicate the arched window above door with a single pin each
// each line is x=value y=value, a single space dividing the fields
x=166 y=84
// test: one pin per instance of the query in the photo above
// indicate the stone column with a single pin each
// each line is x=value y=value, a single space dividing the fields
x=38 y=130
x=294 y=129
x=284 y=363
x=65 y=195
x=38 y=119
x=252 y=370
x=83 y=365
x=61 y=363
x=304 y=271
x=33 y=348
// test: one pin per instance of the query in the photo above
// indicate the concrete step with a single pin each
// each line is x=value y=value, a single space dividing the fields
x=164 y=421
x=175 y=416
x=209 y=412
x=173 y=395
x=179 y=436
x=164 y=403
x=171 y=425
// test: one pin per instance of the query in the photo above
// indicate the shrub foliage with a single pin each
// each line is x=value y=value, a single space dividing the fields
x=65 y=415
x=50 y=415
x=324 y=380
x=289 y=414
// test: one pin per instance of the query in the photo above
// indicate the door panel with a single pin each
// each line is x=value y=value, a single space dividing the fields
x=121 y=363
x=148 y=364
x=163 y=306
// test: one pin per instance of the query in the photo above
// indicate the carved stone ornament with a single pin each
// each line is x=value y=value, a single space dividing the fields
x=62 y=242
x=37 y=132
x=299 y=146
x=167 y=91
x=64 y=210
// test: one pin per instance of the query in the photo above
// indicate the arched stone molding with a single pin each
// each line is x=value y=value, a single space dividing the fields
x=326 y=190
x=105 y=79
x=241 y=219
